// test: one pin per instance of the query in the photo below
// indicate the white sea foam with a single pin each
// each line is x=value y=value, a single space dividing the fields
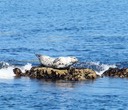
x=104 y=68
x=98 y=67
x=7 y=71
x=28 y=66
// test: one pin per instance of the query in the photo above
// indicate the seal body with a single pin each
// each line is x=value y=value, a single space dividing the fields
x=64 y=62
x=60 y=62
x=45 y=60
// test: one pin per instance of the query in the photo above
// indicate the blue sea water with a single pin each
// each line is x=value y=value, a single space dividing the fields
x=95 y=31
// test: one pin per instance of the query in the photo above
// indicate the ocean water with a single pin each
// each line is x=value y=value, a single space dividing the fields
x=95 y=31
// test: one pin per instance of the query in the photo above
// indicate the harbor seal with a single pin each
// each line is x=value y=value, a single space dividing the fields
x=59 y=63
x=45 y=60
x=64 y=62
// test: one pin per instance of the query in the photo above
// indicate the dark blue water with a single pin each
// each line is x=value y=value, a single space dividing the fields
x=25 y=94
x=91 y=30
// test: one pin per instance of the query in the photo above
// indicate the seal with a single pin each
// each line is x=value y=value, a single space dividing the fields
x=59 y=63
x=64 y=62
x=45 y=60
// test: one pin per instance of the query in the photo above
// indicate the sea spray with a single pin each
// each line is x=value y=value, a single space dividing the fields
x=6 y=71
x=4 y=64
x=104 y=68
x=28 y=66
x=98 y=67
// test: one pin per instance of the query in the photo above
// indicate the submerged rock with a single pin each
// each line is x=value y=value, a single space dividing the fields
x=116 y=72
x=57 y=74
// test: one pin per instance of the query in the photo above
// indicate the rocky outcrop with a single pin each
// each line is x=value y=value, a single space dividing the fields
x=56 y=74
x=17 y=72
x=116 y=72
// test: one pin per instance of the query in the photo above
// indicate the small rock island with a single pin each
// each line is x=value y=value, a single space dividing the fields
x=71 y=74
x=46 y=73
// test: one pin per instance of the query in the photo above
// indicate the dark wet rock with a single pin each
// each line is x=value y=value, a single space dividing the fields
x=116 y=72
x=17 y=72
x=56 y=74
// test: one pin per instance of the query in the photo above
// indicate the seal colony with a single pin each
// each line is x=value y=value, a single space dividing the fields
x=59 y=63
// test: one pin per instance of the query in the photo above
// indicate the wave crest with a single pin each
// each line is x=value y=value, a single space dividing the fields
x=4 y=65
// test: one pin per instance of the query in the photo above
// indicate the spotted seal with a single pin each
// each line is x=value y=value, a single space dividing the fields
x=60 y=62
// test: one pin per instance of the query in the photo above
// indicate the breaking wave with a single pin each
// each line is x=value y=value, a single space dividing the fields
x=96 y=66
x=6 y=70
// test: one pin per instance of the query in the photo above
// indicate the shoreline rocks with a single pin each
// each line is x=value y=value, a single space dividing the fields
x=71 y=74
x=116 y=72
x=57 y=74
